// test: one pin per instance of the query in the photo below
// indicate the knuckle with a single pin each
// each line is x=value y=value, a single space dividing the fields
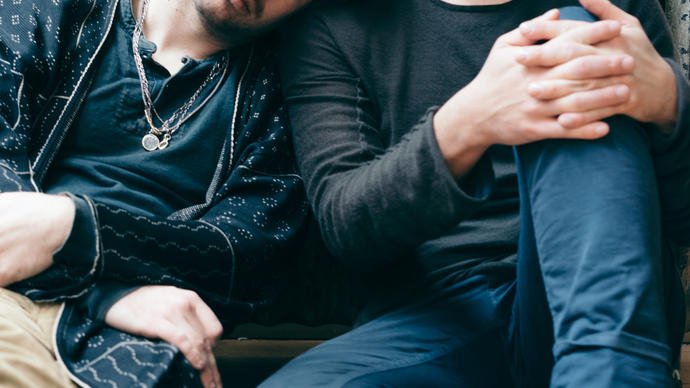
x=530 y=107
x=569 y=51
x=181 y=340
x=187 y=301
x=191 y=296
x=546 y=89
x=530 y=132
x=501 y=40
x=535 y=55
x=577 y=102
x=7 y=274
x=580 y=85
x=581 y=67
x=568 y=121
x=199 y=345
x=216 y=330
x=187 y=306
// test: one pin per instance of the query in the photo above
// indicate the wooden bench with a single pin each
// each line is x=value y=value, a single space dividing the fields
x=245 y=362
x=256 y=351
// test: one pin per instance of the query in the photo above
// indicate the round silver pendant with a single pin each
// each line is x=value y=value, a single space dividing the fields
x=150 y=142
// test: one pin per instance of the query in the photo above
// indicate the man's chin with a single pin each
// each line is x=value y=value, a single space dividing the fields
x=230 y=36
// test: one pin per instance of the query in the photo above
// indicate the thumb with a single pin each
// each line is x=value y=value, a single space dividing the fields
x=605 y=10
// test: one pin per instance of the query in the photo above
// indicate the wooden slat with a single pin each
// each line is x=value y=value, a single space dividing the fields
x=250 y=361
x=254 y=350
x=245 y=363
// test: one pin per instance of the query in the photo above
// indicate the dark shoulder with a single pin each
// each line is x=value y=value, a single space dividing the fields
x=260 y=92
x=352 y=28
x=261 y=69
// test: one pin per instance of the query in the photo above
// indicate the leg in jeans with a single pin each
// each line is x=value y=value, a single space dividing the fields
x=592 y=210
x=452 y=338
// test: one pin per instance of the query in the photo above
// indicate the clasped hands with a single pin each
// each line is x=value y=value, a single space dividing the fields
x=563 y=88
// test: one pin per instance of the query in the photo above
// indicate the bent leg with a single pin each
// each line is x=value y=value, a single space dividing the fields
x=454 y=338
x=595 y=220
x=26 y=351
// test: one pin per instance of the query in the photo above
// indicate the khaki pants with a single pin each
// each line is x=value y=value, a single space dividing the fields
x=27 y=356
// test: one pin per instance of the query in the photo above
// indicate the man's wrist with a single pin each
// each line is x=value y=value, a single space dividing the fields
x=80 y=246
x=65 y=215
x=459 y=142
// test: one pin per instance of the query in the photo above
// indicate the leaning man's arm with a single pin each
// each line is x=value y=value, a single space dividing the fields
x=230 y=254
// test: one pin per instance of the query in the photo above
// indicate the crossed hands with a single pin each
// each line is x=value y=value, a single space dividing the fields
x=584 y=73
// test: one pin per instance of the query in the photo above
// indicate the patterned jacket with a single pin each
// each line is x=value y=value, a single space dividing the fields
x=229 y=249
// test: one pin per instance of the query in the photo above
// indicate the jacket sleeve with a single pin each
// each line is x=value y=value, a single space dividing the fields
x=374 y=201
x=231 y=255
x=671 y=153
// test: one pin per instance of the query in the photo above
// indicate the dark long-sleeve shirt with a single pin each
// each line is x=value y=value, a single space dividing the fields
x=360 y=80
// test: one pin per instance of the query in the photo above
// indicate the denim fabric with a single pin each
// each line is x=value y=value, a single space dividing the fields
x=599 y=253
x=454 y=337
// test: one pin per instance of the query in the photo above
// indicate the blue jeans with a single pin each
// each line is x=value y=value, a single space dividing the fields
x=597 y=301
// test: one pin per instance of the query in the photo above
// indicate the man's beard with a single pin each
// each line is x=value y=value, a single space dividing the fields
x=228 y=32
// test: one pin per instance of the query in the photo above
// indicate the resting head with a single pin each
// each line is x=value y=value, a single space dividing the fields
x=237 y=21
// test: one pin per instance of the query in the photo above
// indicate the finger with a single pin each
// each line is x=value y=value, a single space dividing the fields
x=557 y=88
x=593 y=66
x=210 y=377
x=552 y=55
x=589 y=100
x=576 y=30
x=553 y=130
x=212 y=327
x=574 y=120
x=213 y=366
x=605 y=10
x=203 y=323
x=206 y=377
x=568 y=46
x=187 y=339
x=594 y=32
x=515 y=37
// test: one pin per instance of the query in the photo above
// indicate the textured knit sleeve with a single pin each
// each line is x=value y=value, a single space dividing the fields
x=373 y=203
x=671 y=152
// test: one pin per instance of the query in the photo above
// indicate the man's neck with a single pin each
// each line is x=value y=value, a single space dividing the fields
x=176 y=29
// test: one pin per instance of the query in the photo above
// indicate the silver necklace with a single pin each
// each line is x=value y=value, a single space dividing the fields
x=158 y=138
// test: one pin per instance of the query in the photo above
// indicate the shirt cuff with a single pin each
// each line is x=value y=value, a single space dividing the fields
x=476 y=185
x=80 y=247
x=663 y=142
x=103 y=296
